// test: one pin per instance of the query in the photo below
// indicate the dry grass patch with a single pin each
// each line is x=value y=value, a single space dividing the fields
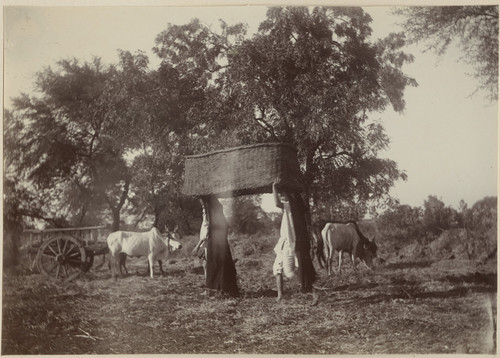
x=401 y=307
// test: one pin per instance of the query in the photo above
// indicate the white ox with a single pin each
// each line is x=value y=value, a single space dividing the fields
x=151 y=244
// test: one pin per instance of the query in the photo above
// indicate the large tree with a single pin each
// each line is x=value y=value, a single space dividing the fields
x=62 y=144
x=194 y=61
x=474 y=28
x=100 y=136
x=145 y=134
x=309 y=77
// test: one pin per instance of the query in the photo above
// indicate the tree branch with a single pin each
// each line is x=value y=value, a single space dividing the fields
x=329 y=156
x=124 y=194
x=140 y=217
x=56 y=222
x=266 y=126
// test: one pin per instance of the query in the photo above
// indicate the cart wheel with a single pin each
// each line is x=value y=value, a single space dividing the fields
x=62 y=258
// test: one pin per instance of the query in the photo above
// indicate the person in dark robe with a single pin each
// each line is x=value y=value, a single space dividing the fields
x=293 y=247
x=220 y=272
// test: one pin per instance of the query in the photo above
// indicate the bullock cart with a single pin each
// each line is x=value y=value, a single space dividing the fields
x=244 y=170
x=64 y=254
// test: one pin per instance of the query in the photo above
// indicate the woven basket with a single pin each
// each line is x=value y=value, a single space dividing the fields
x=242 y=170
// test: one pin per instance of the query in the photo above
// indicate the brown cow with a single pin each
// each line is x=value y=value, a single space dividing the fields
x=346 y=237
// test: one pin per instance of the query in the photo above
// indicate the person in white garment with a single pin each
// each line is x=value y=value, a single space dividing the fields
x=292 y=251
x=285 y=262
x=200 y=249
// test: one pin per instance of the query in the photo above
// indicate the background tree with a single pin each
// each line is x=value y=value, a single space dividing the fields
x=437 y=217
x=151 y=137
x=482 y=216
x=247 y=217
x=104 y=136
x=401 y=223
x=12 y=223
x=194 y=61
x=475 y=28
x=65 y=145
x=310 y=78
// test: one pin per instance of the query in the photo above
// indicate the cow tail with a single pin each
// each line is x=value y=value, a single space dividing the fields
x=320 y=252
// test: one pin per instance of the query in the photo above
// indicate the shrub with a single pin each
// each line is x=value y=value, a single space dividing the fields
x=247 y=217
x=402 y=224
x=437 y=218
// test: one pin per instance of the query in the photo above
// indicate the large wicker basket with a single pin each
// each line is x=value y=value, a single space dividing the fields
x=242 y=170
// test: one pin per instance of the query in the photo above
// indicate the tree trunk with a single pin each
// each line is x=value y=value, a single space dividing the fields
x=309 y=176
x=11 y=240
x=115 y=210
x=116 y=219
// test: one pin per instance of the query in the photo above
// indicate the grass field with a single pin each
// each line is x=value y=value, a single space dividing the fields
x=401 y=307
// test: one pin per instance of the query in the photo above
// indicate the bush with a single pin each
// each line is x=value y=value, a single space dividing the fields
x=401 y=224
x=470 y=234
x=437 y=218
x=247 y=217
x=482 y=217
x=257 y=244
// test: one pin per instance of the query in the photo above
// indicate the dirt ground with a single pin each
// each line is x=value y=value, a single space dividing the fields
x=401 y=307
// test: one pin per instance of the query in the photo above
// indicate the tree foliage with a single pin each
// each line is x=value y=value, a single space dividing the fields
x=247 y=217
x=482 y=216
x=437 y=217
x=65 y=142
x=309 y=78
x=404 y=223
x=156 y=126
x=475 y=28
x=103 y=139
x=401 y=223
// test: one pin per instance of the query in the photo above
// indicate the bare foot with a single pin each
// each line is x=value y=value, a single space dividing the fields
x=315 y=298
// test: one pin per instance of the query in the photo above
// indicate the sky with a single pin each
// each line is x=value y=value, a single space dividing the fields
x=445 y=141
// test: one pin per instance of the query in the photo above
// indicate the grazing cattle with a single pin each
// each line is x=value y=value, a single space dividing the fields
x=121 y=260
x=346 y=237
x=151 y=244
x=173 y=235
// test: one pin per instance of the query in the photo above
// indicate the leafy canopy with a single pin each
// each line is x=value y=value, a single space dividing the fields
x=114 y=137
x=475 y=28
x=310 y=77
x=66 y=144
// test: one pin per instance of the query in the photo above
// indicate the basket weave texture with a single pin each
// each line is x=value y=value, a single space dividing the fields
x=242 y=170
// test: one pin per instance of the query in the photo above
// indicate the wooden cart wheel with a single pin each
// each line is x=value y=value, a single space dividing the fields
x=62 y=258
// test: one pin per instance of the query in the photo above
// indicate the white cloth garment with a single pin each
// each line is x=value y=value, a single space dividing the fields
x=286 y=262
